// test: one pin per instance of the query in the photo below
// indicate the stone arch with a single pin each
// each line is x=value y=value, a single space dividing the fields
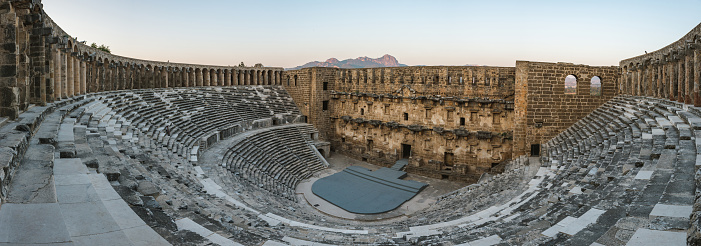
x=595 y=87
x=570 y=84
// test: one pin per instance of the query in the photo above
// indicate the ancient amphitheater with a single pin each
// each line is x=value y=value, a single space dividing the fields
x=99 y=149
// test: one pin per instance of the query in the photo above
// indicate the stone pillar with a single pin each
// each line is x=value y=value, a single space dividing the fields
x=166 y=70
x=186 y=78
x=241 y=80
x=697 y=73
x=83 y=77
x=680 y=80
x=660 y=84
x=687 y=79
x=58 y=81
x=122 y=78
x=205 y=76
x=199 y=77
x=227 y=77
x=70 y=74
x=639 y=81
x=672 y=82
x=76 y=76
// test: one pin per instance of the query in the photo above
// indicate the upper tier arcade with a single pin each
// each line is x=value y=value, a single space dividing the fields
x=672 y=72
x=70 y=67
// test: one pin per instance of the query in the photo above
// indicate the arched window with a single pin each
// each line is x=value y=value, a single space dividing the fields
x=570 y=85
x=288 y=80
x=295 y=80
x=595 y=86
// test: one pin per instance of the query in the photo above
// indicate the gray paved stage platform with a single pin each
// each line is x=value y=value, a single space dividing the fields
x=360 y=190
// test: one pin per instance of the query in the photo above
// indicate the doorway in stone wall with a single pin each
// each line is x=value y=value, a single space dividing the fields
x=406 y=151
x=535 y=149
x=448 y=159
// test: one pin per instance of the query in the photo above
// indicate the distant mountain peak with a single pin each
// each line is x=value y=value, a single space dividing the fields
x=360 y=62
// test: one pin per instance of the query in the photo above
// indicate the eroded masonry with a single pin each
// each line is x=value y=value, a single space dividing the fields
x=98 y=148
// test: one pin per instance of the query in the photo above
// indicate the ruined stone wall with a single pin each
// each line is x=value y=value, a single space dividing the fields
x=543 y=110
x=310 y=88
x=447 y=81
x=41 y=63
x=457 y=128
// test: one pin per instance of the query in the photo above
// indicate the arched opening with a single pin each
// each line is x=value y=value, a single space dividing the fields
x=595 y=89
x=570 y=85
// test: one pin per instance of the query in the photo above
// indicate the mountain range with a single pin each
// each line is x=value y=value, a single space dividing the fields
x=360 y=62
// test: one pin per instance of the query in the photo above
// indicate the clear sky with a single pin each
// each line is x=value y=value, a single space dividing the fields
x=290 y=33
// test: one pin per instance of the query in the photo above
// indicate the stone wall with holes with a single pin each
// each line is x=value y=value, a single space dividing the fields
x=458 y=129
x=543 y=110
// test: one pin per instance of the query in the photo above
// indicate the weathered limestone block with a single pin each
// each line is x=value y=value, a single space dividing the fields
x=148 y=188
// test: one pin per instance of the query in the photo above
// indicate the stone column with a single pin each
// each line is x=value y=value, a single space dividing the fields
x=186 y=78
x=687 y=79
x=83 y=77
x=199 y=77
x=69 y=75
x=205 y=76
x=76 y=76
x=672 y=82
x=220 y=79
x=166 y=70
x=680 y=80
x=697 y=73
x=660 y=84
x=58 y=75
x=121 y=77
x=227 y=77
x=639 y=81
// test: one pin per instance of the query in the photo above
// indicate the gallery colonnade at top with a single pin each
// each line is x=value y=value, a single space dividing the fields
x=74 y=68
x=673 y=72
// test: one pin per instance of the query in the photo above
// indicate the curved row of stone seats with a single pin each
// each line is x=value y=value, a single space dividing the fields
x=619 y=175
x=54 y=198
x=156 y=164
x=276 y=159
x=622 y=175
x=187 y=120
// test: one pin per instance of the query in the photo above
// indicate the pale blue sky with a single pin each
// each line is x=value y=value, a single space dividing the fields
x=290 y=33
